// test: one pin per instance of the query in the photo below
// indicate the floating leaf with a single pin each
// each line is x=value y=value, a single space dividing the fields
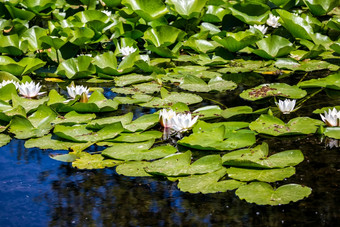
x=321 y=7
x=49 y=142
x=267 y=175
x=73 y=118
x=271 y=125
x=207 y=183
x=135 y=151
x=274 y=89
x=98 y=124
x=233 y=111
x=76 y=68
x=148 y=10
x=193 y=83
x=137 y=136
x=331 y=81
x=273 y=46
x=4 y=139
x=263 y=194
x=208 y=112
x=332 y=132
x=142 y=123
x=95 y=161
x=133 y=169
x=187 y=9
x=179 y=164
x=131 y=79
x=250 y=12
x=79 y=133
x=258 y=157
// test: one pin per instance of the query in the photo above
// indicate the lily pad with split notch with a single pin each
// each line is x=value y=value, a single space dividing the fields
x=273 y=89
x=263 y=194
x=270 y=125
x=207 y=183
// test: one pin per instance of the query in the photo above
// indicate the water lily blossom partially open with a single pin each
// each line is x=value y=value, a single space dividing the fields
x=30 y=89
x=127 y=51
x=261 y=28
x=165 y=117
x=332 y=118
x=73 y=91
x=183 y=122
x=273 y=21
x=286 y=106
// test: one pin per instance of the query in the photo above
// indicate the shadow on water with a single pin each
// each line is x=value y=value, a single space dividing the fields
x=38 y=191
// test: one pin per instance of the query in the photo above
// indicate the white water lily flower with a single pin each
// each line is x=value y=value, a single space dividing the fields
x=30 y=90
x=332 y=118
x=77 y=90
x=273 y=21
x=5 y=82
x=145 y=57
x=183 y=122
x=286 y=106
x=261 y=28
x=127 y=51
x=165 y=117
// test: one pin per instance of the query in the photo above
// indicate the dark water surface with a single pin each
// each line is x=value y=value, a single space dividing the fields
x=38 y=191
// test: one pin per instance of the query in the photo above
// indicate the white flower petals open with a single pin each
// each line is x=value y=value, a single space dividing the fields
x=176 y=122
x=127 y=51
x=5 y=82
x=287 y=106
x=273 y=21
x=77 y=90
x=30 y=89
x=332 y=118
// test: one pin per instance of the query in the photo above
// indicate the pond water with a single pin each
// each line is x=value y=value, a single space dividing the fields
x=36 y=190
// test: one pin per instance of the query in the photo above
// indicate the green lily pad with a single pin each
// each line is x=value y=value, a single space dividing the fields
x=331 y=81
x=170 y=98
x=258 y=158
x=70 y=157
x=208 y=112
x=273 y=46
x=73 y=118
x=28 y=104
x=47 y=142
x=143 y=88
x=24 y=66
x=332 y=132
x=122 y=81
x=179 y=165
x=263 y=194
x=267 y=175
x=148 y=10
x=271 y=125
x=7 y=92
x=142 y=123
x=252 y=12
x=233 y=111
x=95 y=161
x=4 y=139
x=187 y=10
x=208 y=183
x=37 y=125
x=193 y=83
x=98 y=124
x=218 y=136
x=79 y=133
x=76 y=68
x=274 y=89
x=137 y=136
x=133 y=169
x=135 y=151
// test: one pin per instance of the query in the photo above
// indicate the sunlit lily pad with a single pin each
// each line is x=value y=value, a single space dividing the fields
x=100 y=123
x=271 y=125
x=79 y=133
x=73 y=117
x=331 y=81
x=332 y=132
x=95 y=161
x=207 y=183
x=28 y=104
x=258 y=157
x=274 y=89
x=144 y=88
x=4 y=139
x=233 y=111
x=49 y=142
x=170 y=98
x=263 y=194
x=218 y=138
x=138 y=151
x=137 y=136
x=266 y=175
x=142 y=123
x=7 y=92
x=193 y=83
x=179 y=165
x=122 y=81
x=208 y=112
x=133 y=169
x=37 y=125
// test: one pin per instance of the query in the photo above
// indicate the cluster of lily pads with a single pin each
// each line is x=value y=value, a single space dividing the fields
x=144 y=50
